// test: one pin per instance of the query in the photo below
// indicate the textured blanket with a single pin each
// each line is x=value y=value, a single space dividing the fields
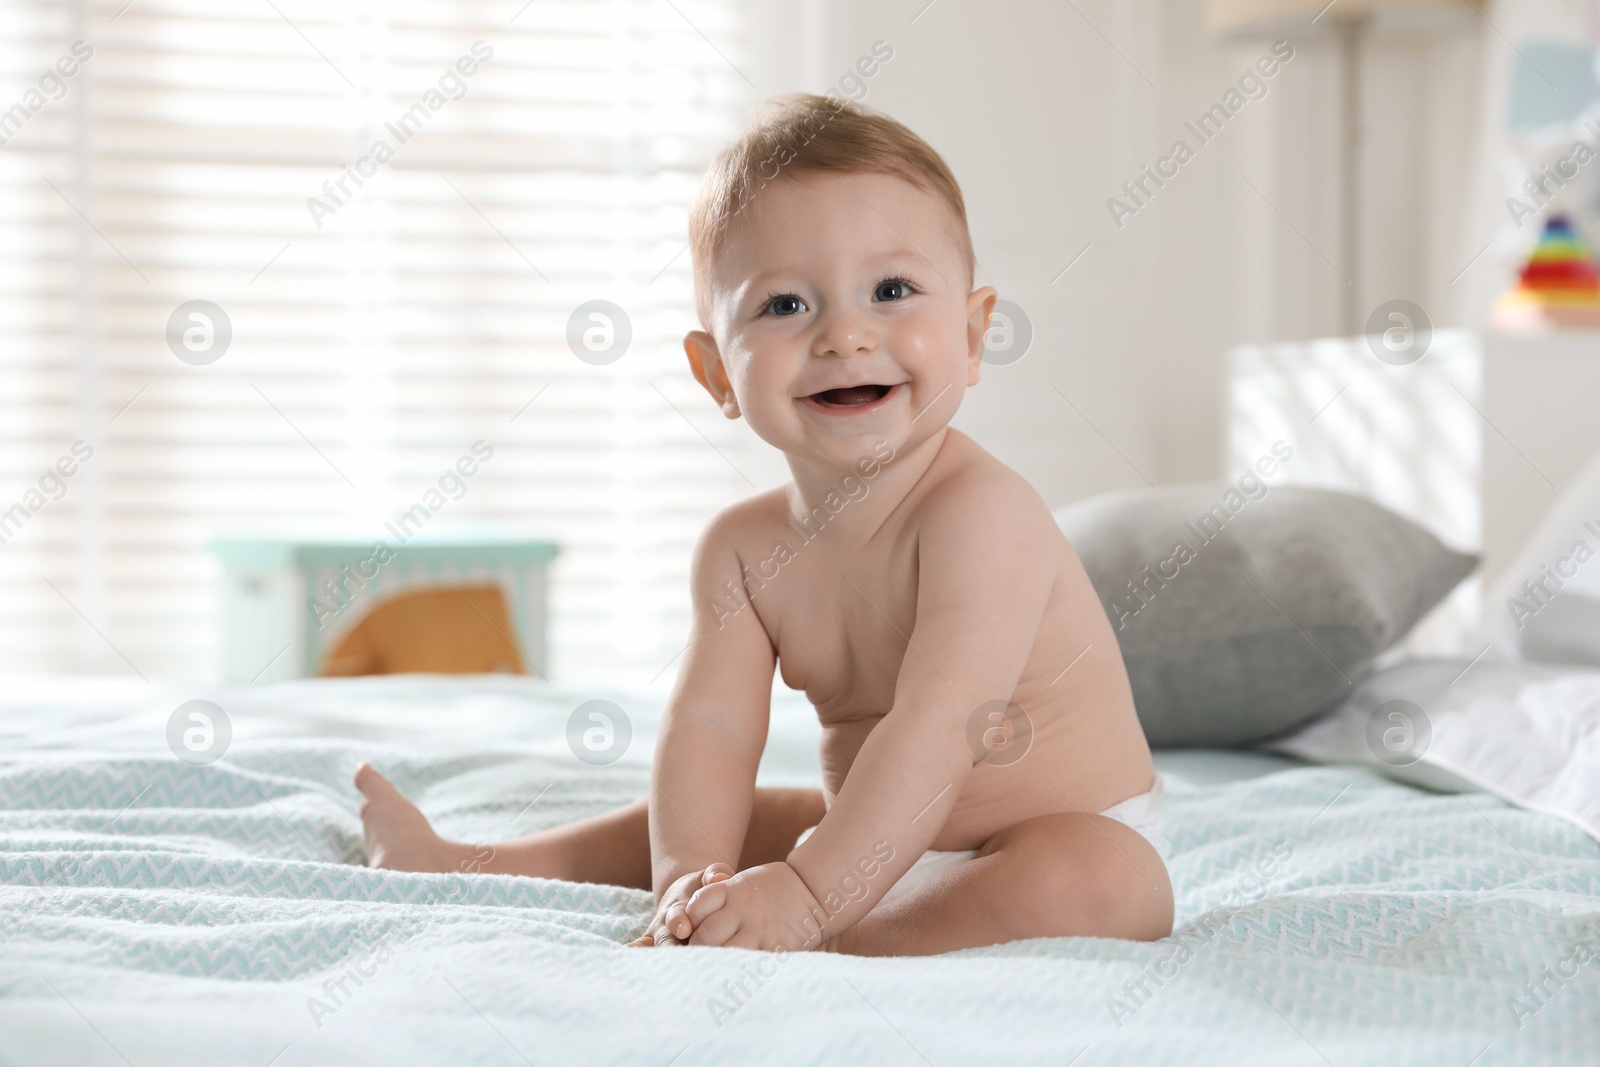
x=154 y=912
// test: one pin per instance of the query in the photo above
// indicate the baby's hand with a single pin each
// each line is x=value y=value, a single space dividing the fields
x=767 y=908
x=671 y=924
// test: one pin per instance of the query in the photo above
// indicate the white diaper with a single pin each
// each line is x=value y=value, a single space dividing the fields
x=1141 y=813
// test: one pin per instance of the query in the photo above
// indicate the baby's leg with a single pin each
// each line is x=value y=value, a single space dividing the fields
x=1064 y=875
x=612 y=849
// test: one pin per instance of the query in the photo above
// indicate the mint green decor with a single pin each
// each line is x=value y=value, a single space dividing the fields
x=286 y=601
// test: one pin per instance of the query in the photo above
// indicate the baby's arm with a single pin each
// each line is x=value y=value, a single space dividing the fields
x=986 y=559
x=702 y=784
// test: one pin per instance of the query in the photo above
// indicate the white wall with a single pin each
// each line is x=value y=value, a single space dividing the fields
x=1043 y=112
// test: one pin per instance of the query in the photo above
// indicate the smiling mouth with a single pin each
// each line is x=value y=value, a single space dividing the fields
x=854 y=396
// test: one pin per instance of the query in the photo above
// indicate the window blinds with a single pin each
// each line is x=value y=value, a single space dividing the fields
x=388 y=308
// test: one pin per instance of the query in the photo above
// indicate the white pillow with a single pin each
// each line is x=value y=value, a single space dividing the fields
x=1525 y=731
x=1546 y=607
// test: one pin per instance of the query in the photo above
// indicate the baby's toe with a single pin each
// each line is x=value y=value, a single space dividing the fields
x=372 y=784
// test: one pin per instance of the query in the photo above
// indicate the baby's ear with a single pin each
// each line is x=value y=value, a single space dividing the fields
x=980 y=306
x=706 y=362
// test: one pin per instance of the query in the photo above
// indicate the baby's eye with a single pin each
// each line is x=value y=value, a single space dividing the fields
x=892 y=289
x=787 y=304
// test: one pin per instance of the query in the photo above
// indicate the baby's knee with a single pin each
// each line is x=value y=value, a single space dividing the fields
x=1074 y=880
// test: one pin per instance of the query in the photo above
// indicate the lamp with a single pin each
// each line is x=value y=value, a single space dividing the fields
x=1351 y=21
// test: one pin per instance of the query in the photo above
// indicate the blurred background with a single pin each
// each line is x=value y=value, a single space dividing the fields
x=241 y=343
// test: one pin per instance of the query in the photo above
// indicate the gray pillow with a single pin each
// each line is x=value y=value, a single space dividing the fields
x=1244 y=614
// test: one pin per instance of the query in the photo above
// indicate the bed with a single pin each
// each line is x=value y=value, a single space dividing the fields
x=154 y=912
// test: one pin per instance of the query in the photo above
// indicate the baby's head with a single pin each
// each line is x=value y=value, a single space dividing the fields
x=833 y=276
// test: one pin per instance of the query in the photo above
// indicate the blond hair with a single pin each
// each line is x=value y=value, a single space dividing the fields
x=804 y=133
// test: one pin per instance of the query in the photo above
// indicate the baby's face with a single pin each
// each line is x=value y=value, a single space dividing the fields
x=840 y=313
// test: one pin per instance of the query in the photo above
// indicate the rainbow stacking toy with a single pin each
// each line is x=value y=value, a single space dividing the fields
x=1558 y=288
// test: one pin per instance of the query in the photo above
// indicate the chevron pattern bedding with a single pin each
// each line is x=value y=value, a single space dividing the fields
x=152 y=912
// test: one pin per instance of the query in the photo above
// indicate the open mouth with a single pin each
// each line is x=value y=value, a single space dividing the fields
x=855 y=396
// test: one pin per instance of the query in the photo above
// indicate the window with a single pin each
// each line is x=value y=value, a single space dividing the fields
x=388 y=306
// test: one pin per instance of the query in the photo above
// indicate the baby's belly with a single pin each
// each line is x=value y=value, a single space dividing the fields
x=1059 y=773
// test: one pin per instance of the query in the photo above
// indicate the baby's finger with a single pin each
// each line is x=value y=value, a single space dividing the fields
x=648 y=938
x=677 y=921
x=705 y=901
x=717 y=872
x=718 y=929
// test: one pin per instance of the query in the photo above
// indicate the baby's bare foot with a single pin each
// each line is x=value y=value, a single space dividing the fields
x=398 y=835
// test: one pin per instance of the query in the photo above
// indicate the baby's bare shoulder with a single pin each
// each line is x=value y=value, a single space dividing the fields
x=744 y=526
x=974 y=499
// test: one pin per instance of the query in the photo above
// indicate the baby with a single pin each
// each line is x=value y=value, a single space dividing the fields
x=985 y=778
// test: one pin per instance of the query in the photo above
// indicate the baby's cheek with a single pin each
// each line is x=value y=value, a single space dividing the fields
x=931 y=345
x=751 y=380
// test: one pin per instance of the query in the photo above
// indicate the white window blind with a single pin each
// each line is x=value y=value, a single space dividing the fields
x=429 y=309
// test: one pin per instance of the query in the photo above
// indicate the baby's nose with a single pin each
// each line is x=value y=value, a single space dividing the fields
x=845 y=335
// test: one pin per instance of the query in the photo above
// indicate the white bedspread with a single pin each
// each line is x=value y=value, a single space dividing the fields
x=154 y=913
x=1529 y=732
